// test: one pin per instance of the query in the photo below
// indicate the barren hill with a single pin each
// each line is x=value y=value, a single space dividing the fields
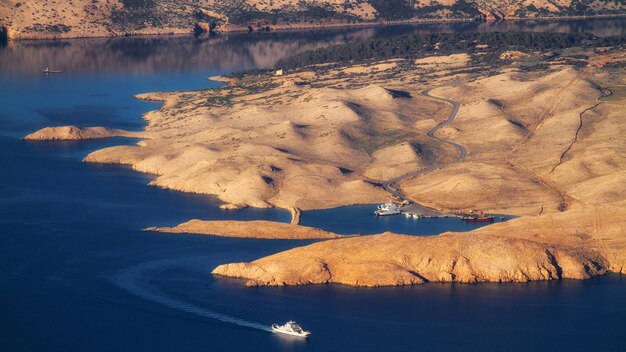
x=89 y=18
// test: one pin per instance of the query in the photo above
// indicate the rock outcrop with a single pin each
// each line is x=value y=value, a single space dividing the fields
x=6 y=33
x=201 y=28
x=249 y=229
x=491 y=16
x=577 y=244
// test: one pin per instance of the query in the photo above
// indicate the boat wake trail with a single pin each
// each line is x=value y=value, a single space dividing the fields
x=134 y=280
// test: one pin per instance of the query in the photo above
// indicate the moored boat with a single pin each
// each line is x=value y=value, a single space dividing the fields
x=388 y=209
x=480 y=217
x=477 y=219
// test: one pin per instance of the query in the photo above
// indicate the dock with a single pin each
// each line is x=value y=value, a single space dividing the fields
x=420 y=212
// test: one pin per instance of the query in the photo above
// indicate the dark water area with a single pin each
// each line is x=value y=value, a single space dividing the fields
x=78 y=274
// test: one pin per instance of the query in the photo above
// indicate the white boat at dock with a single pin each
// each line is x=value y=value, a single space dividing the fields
x=388 y=209
x=290 y=328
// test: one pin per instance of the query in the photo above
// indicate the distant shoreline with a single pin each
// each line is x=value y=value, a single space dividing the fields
x=304 y=26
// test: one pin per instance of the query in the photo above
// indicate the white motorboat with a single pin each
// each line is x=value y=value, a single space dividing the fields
x=388 y=209
x=290 y=328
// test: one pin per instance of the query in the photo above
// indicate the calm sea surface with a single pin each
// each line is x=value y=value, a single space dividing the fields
x=78 y=274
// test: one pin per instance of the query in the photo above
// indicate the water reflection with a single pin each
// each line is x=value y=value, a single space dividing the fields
x=167 y=54
x=227 y=52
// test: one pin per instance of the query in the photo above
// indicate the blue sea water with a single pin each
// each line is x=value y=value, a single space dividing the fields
x=78 y=274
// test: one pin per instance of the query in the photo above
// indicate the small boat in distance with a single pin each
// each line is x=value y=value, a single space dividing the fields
x=48 y=70
x=388 y=209
x=290 y=328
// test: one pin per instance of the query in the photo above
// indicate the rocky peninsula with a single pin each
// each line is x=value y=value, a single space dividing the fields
x=577 y=244
x=73 y=133
x=249 y=229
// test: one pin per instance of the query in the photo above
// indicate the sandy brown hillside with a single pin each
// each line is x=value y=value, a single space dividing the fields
x=544 y=143
x=88 y=18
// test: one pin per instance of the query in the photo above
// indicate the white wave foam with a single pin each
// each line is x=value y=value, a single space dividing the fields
x=130 y=280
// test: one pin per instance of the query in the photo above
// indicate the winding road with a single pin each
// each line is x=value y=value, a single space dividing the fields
x=388 y=185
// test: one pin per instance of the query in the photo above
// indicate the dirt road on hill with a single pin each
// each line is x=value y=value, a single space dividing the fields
x=388 y=185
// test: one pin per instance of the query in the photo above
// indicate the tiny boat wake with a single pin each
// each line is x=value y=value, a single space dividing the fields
x=131 y=281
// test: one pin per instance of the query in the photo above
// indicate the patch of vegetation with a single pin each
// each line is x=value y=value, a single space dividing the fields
x=575 y=8
x=535 y=67
x=247 y=73
x=261 y=86
x=220 y=100
x=49 y=28
x=137 y=14
x=404 y=9
x=245 y=15
x=248 y=85
x=393 y=9
x=419 y=45
x=462 y=8
x=138 y=4
x=617 y=64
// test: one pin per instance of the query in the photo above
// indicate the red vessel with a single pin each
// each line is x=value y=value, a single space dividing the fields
x=481 y=219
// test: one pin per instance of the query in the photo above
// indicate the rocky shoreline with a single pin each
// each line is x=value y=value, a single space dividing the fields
x=520 y=250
